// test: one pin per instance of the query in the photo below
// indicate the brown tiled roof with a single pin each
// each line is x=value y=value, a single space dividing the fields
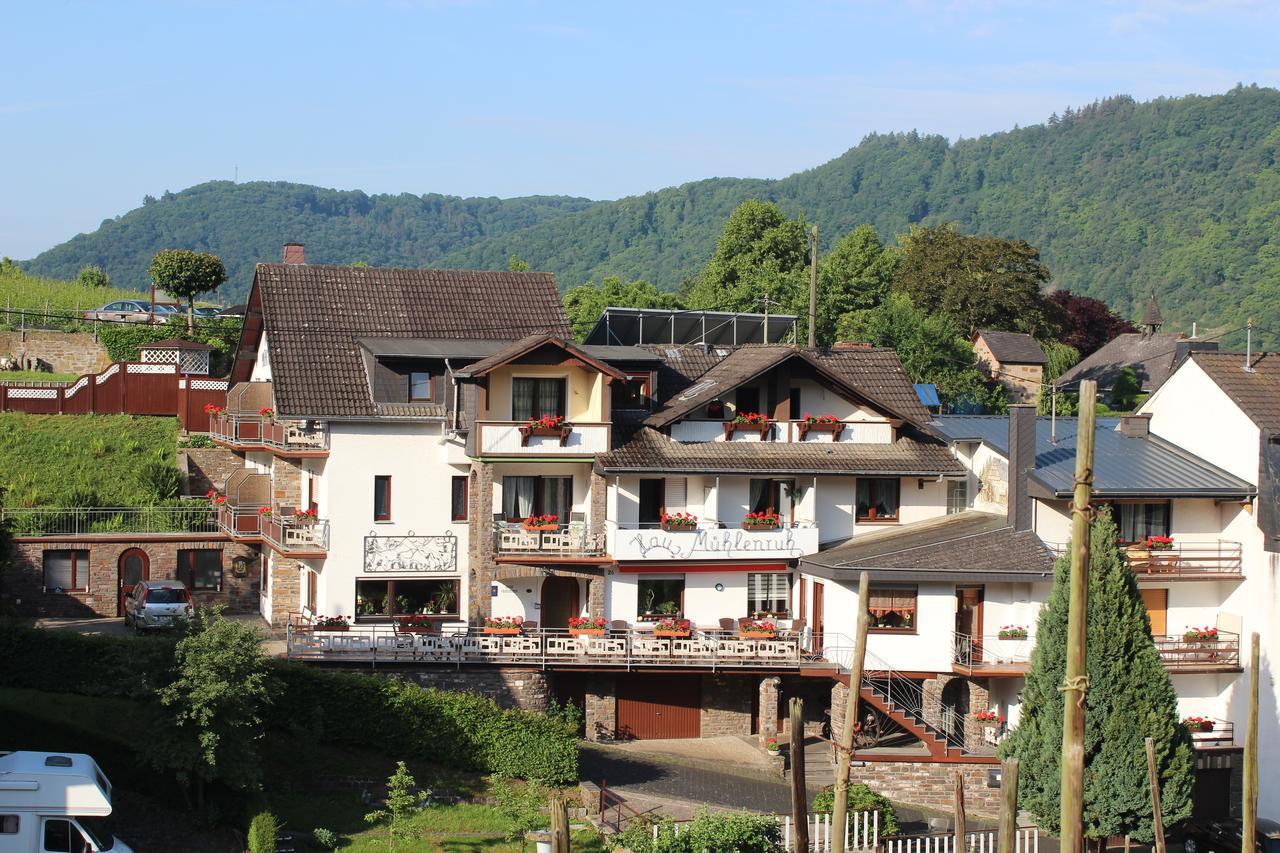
x=1257 y=393
x=528 y=344
x=313 y=315
x=1013 y=347
x=876 y=375
x=1151 y=357
x=648 y=449
x=950 y=546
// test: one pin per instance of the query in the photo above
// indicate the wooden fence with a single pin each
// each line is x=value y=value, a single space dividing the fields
x=124 y=388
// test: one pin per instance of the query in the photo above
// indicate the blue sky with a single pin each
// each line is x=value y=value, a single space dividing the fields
x=102 y=102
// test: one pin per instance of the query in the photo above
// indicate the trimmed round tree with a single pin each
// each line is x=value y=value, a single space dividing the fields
x=184 y=274
x=1130 y=698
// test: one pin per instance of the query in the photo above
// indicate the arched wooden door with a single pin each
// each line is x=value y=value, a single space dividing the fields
x=559 y=602
x=134 y=566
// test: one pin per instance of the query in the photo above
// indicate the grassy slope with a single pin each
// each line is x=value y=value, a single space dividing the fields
x=44 y=457
x=295 y=767
x=22 y=292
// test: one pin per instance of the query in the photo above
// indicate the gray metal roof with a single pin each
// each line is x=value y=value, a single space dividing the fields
x=627 y=326
x=1124 y=466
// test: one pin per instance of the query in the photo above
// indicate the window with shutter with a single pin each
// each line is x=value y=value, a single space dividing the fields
x=768 y=594
x=892 y=608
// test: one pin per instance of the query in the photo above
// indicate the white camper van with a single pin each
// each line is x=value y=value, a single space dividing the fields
x=52 y=802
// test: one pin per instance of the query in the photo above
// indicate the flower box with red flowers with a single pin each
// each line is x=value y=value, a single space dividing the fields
x=304 y=516
x=1200 y=635
x=416 y=623
x=1158 y=543
x=267 y=413
x=586 y=626
x=753 y=422
x=771 y=744
x=987 y=718
x=213 y=410
x=1013 y=632
x=820 y=423
x=331 y=623
x=503 y=625
x=546 y=426
x=264 y=510
x=678 y=521
x=215 y=498
x=544 y=523
x=752 y=630
x=764 y=520
x=671 y=628
x=1198 y=724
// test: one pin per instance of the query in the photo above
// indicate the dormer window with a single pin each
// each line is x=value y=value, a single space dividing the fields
x=634 y=393
x=419 y=386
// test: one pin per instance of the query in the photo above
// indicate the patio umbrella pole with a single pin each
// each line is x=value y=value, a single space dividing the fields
x=844 y=746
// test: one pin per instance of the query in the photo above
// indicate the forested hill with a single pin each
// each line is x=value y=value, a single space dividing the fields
x=250 y=222
x=1178 y=196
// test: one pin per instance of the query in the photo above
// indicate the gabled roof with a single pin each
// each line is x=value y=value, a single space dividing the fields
x=648 y=450
x=1152 y=358
x=1013 y=347
x=970 y=544
x=873 y=375
x=313 y=316
x=1124 y=465
x=1256 y=392
x=517 y=349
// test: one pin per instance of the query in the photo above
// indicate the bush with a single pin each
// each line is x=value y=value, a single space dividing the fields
x=63 y=661
x=460 y=730
x=723 y=832
x=326 y=838
x=262 y=833
x=196 y=439
x=160 y=479
x=861 y=799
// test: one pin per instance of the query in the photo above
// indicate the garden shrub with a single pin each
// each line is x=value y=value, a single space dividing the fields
x=262 y=833
x=722 y=832
x=66 y=662
x=861 y=799
x=160 y=479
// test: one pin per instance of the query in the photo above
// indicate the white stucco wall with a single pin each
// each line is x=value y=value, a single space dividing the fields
x=262 y=362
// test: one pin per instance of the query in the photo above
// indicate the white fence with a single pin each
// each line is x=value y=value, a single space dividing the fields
x=1024 y=841
x=862 y=831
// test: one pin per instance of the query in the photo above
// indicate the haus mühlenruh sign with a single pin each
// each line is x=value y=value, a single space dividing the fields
x=713 y=544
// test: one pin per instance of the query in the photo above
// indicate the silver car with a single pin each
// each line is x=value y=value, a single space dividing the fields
x=131 y=310
x=157 y=604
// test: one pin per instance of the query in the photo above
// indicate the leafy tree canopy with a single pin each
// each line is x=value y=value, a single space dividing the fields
x=980 y=282
x=93 y=276
x=184 y=274
x=1130 y=698
x=584 y=303
x=1087 y=323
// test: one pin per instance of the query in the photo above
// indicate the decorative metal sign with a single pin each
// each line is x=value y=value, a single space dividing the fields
x=722 y=544
x=436 y=554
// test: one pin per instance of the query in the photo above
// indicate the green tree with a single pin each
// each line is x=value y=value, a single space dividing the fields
x=184 y=274
x=1125 y=391
x=760 y=253
x=520 y=805
x=930 y=345
x=585 y=303
x=262 y=833
x=979 y=281
x=219 y=694
x=515 y=264
x=93 y=276
x=404 y=800
x=1130 y=698
x=854 y=276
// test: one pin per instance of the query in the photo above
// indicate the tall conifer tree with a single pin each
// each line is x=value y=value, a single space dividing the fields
x=1130 y=698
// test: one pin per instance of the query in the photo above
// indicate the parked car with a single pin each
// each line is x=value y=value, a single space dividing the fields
x=130 y=310
x=206 y=311
x=1223 y=836
x=157 y=604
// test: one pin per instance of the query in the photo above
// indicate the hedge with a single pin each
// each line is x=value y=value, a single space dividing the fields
x=461 y=730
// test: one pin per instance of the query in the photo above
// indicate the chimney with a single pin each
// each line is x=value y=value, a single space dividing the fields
x=294 y=254
x=846 y=346
x=1022 y=461
x=1135 y=426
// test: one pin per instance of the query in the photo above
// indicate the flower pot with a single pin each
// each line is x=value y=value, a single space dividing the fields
x=418 y=628
x=757 y=635
x=561 y=432
x=502 y=632
x=763 y=430
x=586 y=632
x=746 y=525
x=332 y=628
x=678 y=528
x=676 y=633
x=1013 y=636
x=835 y=429
x=541 y=528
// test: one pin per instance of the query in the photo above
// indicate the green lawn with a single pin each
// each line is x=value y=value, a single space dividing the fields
x=36 y=376
x=46 y=459
x=300 y=782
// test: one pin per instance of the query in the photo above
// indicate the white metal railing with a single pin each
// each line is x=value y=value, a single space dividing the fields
x=990 y=650
x=504 y=438
x=848 y=432
x=862 y=831
x=567 y=539
x=1025 y=840
x=186 y=517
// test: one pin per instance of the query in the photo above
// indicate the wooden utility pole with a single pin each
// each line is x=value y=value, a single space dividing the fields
x=1075 y=686
x=1153 y=778
x=799 y=797
x=559 y=825
x=962 y=823
x=1249 y=823
x=844 y=747
x=1008 y=805
x=813 y=287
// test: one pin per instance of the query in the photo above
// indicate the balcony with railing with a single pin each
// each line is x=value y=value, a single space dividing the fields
x=710 y=541
x=246 y=432
x=520 y=440
x=851 y=432
x=574 y=541
x=1197 y=651
x=1006 y=654
x=297 y=535
x=182 y=518
x=1214 y=559
x=1220 y=734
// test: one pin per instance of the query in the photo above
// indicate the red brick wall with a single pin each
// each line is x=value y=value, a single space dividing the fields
x=22 y=585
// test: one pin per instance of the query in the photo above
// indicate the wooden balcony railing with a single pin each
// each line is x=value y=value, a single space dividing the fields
x=252 y=431
x=1210 y=560
x=1221 y=654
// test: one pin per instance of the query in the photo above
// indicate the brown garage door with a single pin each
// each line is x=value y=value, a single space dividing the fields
x=652 y=707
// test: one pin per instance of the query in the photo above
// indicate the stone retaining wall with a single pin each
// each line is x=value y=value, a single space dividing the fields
x=207 y=467
x=62 y=352
x=931 y=785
